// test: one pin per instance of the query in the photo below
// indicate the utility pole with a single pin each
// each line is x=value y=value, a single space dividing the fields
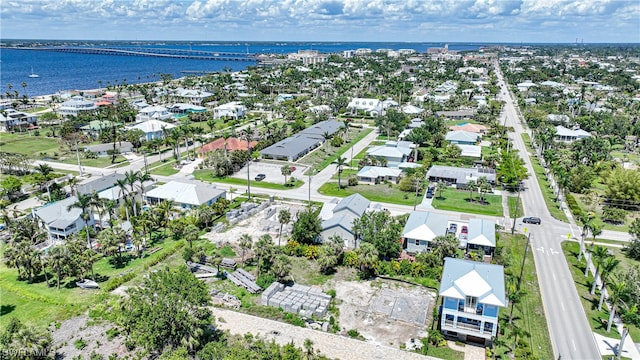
x=524 y=258
x=248 y=165
x=515 y=213
x=78 y=156
x=309 y=188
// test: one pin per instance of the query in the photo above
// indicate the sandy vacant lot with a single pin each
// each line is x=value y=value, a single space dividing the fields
x=379 y=309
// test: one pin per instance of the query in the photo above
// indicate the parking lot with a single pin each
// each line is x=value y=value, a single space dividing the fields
x=272 y=172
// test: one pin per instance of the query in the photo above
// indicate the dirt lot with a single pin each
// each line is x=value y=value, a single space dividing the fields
x=271 y=170
x=92 y=334
x=379 y=310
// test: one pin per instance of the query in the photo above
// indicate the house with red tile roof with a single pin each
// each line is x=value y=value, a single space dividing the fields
x=232 y=144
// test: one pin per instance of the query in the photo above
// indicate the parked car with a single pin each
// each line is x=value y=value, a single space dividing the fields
x=532 y=220
x=464 y=230
x=452 y=228
x=260 y=177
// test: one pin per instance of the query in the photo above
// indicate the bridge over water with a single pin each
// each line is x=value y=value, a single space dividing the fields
x=149 y=52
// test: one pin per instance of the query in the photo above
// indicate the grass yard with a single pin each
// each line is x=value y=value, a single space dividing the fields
x=547 y=192
x=445 y=353
x=530 y=310
x=100 y=162
x=512 y=202
x=321 y=158
x=458 y=200
x=29 y=145
x=207 y=175
x=163 y=168
x=624 y=227
x=23 y=300
x=380 y=193
x=307 y=272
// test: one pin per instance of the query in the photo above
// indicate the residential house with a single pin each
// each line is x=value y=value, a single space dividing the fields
x=298 y=145
x=373 y=107
x=102 y=150
x=185 y=195
x=472 y=151
x=191 y=96
x=421 y=228
x=233 y=110
x=12 y=120
x=320 y=109
x=392 y=153
x=184 y=108
x=283 y=97
x=481 y=236
x=469 y=127
x=456 y=115
x=98 y=183
x=558 y=119
x=230 y=144
x=459 y=176
x=472 y=294
x=153 y=113
x=75 y=106
x=339 y=219
x=462 y=137
x=568 y=135
x=61 y=222
x=378 y=174
x=153 y=129
x=96 y=127
x=411 y=109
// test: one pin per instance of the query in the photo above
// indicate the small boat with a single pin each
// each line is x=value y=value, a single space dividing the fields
x=87 y=284
x=33 y=75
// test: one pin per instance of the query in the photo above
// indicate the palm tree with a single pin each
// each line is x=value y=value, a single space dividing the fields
x=340 y=162
x=367 y=257
x=619 y=291
x=326 y=137
x=281 y=267
x=308 y=347
x=608 y=266
x=131 y=178
x=56 y=258
x=472 y=186
x=124 y=191
x=284 y=216
x=599 y=254
x=216 y=259
x=245 y=243
x=262 y=250
x=84 y=203
x=286 y=171
x=191 y=234
x=596 y=229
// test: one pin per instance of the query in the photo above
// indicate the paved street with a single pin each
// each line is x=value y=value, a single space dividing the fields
x=571 y=335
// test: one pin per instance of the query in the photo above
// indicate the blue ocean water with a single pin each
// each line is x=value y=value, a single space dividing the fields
x=72 y=71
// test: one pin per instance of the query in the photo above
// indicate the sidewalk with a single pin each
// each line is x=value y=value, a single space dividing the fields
x=609 y=347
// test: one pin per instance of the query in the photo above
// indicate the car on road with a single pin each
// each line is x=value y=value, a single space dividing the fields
x=532 y=220
x=260 y=177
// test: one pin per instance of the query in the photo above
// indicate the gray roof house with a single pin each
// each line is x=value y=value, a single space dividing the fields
x=341 y=222
x=60 y=222
x=421 y=228
x=99 y=184
x=472 y=293
x=185 y=195
x=392 y=152
x=456 y=115
x=459 y=176
x=122 y=147
x=298 y=145
x=377 y=174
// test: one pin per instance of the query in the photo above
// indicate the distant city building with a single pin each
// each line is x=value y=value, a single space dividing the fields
x=309 y=57
x=12 y=120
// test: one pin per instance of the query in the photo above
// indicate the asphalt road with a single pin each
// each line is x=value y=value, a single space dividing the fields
x=570 y=332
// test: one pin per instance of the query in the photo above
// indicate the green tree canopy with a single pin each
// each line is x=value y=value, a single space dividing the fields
x=307 y=227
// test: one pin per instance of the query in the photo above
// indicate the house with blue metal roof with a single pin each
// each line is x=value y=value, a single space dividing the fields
x=472 y=294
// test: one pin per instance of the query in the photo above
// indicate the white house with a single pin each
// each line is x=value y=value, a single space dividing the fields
x=372 y=107
x=568 y=135
x=153 y=129
x=191 y=95
x=61 y=222
x=153 y=113
x=377 y=174
x=13 y=120
x=233 y=109
x=76 y=106
x=393 y=153
x=472 y=294
x=185 y=195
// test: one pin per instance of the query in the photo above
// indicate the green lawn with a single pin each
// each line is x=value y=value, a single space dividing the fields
x=100 y=162
x=207 y=175
x=24 y=300
x=321 y=158
x=512 y=201
x=549 y=197
x=458 y=200
x=583 y=286
x=624 y=227
x=163 y=168
x=29 y=145
x=379 y=193
x=530 y=310
x=446 y=353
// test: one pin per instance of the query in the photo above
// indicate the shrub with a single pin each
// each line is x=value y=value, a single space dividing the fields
x=573 y=205
x=353 y=181
x=112 y=333
x=294 y=319
x=80 y=344
x=436 y=338
x=613 y=215
x=353 y=333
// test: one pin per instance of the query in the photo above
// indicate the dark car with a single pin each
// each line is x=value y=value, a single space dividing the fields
x=260 y=177
x=452 y=228
x=532 y=220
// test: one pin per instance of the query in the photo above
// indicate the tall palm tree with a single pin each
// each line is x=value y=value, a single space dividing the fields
x=56 y=257
x=245 y=243
x=340 y=162
x=599 y=254
x=608 y=266
x=596 y=229
x=262 y=250
x=191 y=234
x=84 y=203
x=619 y=291
x=284 y=216
x=131 y=178
x=367 y=257
x=472 y=186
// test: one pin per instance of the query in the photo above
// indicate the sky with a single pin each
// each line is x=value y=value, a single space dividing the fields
x=529 y=21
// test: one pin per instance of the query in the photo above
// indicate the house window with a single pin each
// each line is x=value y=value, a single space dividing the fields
x=470 y=304
x=417 y=242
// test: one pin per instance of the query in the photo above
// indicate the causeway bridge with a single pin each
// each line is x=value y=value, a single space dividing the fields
x=148 y=52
